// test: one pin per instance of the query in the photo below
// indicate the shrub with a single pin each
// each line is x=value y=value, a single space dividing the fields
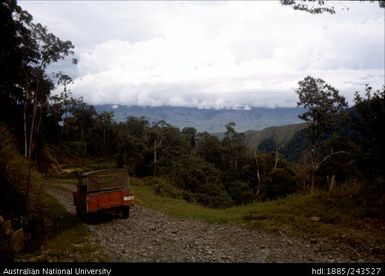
x=20 y=190
x=240 y=192
x=278 y=183
x=163 y=187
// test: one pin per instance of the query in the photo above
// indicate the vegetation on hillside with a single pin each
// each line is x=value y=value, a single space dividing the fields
x=338 y=146
x=322 y=214
x=20 y=191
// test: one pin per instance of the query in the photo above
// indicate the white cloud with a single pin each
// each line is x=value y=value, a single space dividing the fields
x=214 y=54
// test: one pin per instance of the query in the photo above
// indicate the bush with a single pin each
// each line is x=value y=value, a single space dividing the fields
x=240 y=192
x=20 y=190
x=278 y=183
x=163 y=187
x=202 y=180
x=213 y=196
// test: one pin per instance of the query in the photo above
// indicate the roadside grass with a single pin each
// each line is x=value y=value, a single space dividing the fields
x=67 y=237
x=336 y=215
x=333 y=215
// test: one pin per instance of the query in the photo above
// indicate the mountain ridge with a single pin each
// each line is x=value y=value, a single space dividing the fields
x=209 y=120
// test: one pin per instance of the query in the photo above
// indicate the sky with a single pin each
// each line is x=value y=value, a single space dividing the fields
x=212 y=54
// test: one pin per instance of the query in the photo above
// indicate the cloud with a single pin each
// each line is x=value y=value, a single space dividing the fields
x=214 y=54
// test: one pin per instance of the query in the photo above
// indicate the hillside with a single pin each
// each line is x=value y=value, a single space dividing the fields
x=283 y=133
x=210 y=120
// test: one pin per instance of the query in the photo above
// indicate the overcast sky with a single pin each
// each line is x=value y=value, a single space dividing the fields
x=213 y=54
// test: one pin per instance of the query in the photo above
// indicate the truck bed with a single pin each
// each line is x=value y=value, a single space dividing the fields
x=103 y=200
x=109 y=199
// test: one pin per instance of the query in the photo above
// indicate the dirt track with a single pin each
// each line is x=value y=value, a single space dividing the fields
x=150 y=236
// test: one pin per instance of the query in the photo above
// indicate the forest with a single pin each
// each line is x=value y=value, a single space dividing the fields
x=40 y=132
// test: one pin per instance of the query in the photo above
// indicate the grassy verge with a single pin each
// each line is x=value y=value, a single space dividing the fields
x=67 y=237
x=320 y=215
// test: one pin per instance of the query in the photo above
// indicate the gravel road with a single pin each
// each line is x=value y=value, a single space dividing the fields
x=151 y=236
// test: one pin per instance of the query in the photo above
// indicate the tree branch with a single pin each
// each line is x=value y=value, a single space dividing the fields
x=329 y=156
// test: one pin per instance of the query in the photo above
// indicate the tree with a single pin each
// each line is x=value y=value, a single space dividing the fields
x=272 y=144
x=371 y=127
x=190 y=136
x=25 y=52
x=134 y=148
x=209 y=148
x=66 y=95
x=50 y=49
x=17 y=52
x=323 y=104
x=233 y=142
x=84 y=118
x=278 y=183
x=201 y=179
x=167 y=144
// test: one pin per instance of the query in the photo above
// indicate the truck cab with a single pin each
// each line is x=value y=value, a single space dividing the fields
x=103 y=191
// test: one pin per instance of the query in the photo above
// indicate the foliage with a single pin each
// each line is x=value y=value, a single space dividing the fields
x=20 y=190
x=324 y=107
x=240 y=192
x=311 y=6
x=278 y=183
x=371 y=140
x=64 y=236
x=371 y=127
x=318 y=6
x=322 y=103
x=164 y=187
x=201 y=179
x=20 y=194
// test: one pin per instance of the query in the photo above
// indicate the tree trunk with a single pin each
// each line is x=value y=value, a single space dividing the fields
x=25 y=130
x=314 y=168
x=38 y=119
x=257 y=188
x=33 y=124
x=277 y=146
x=85 y=143
x=312 y=182
x=331 y=182
x=155 y=156
x=276 y=159
x=31 y=142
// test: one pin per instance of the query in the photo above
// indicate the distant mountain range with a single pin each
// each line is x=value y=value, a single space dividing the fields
x=210 y=120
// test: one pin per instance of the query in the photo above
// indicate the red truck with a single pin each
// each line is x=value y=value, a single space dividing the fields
x=103 y=191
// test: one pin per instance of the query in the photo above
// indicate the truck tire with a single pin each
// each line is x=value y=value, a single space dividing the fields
x=125 y=212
